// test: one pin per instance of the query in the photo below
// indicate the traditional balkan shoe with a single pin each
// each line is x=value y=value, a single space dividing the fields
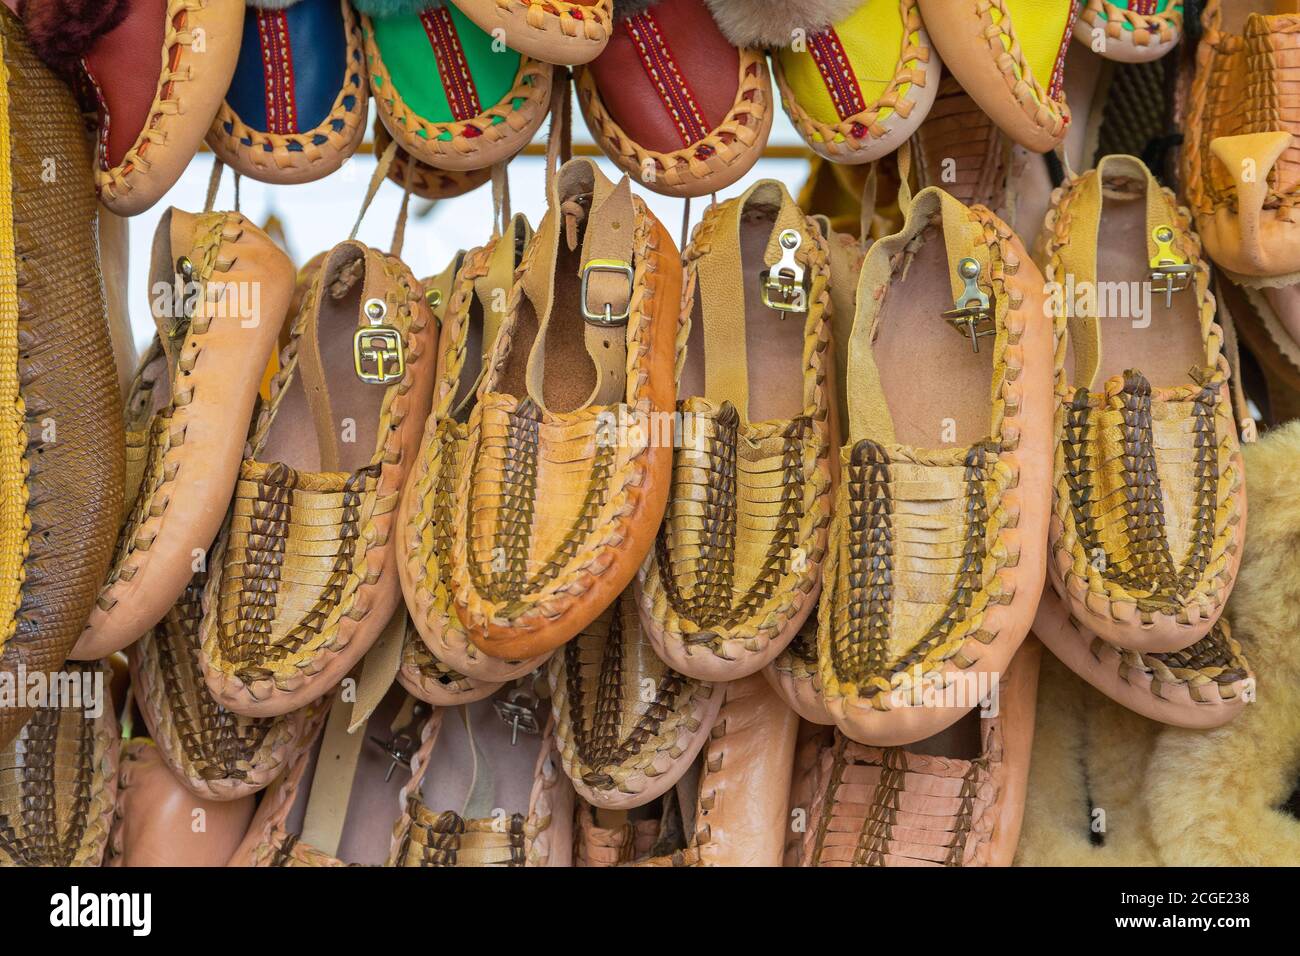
x=938 y=541
x=58 y=784
x=568 y=32
x=567 y=462
x=213 y=753
x=471 y=310
x=296 y=108
x=302 y=580
x=795 y=676
x=674 y=104
x=1130 y=31
x=61 y=437
x=856 y=91
x=1150 y=502
x=1201 y=686
x=219 y=288
x=156 y=107
x=1010 y=57
x=446 y=94
x=736 y=569
x=434 y=681
x=154 y=820
x=953 y=800
x=627 y=726
x=1241 y=161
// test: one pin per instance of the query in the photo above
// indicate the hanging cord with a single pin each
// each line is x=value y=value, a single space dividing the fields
x=381 y=172
x=238 y=179
x=559 y=142
x=214 y=183
x=399 y=230
x=686 y=224
x=500 y=200
x=904 y=160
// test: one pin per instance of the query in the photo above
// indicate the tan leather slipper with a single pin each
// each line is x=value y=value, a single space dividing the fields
x=938 y=542
x=472 y=296
x=302 y=578
x=736 y=569
x=219 y=290
x=566 y=470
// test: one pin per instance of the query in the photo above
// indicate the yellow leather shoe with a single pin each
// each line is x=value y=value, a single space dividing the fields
x=857 y=90
x=938 y=541
x=1149 y=511
x=736 y=569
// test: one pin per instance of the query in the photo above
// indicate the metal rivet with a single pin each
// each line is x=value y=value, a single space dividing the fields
x=375 y=309
x=789 y=239
x=185 y=267
x=433 y=297
x=1164 y=234
x=968 y=268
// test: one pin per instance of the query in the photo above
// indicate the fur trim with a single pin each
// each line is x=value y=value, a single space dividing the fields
x=62 y=31
x=393 y=8
x=771 y=23
x=630 y=8
x=1218 y=796
x=1089 y=755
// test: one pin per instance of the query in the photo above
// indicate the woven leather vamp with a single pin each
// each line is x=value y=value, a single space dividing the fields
x=914 y=565
x=448 y=839
x=889 y=807
x=540 y=492
x=58 y=784
x=744 y=527
x=291 y=565
x=421 y=666
x=211 y=749
x=66 y=375
x=285 y=849
x=1147 y=496
x=622 y=714
x=595 y=845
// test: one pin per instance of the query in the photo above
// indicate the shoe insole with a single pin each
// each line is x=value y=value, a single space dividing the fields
x=504 y=771
x=354 y=405
x=938 y=389
x=1138 y=331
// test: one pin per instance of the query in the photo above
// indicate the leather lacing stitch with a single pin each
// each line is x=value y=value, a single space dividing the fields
x=218 y=744
x=1146 y=28
x=1038 y=101
x=573 y=19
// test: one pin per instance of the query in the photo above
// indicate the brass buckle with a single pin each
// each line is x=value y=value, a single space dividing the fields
x=783 y=288
x=607 y=318
x=377 y=352
x=972 y=314
x=401 y=747
x=1170 y=272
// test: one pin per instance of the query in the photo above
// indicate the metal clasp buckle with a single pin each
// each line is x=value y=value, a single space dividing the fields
x=783 y=284
x=402 y=745
x=377 y=352
x=972 y=314
x=519 y=711
x=1170 y=272
x=607 y=318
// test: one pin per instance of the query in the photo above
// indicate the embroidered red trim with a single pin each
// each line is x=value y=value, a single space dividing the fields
x=453 y=68
x=277 y=68
x=660 y=66
x=837 y=73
